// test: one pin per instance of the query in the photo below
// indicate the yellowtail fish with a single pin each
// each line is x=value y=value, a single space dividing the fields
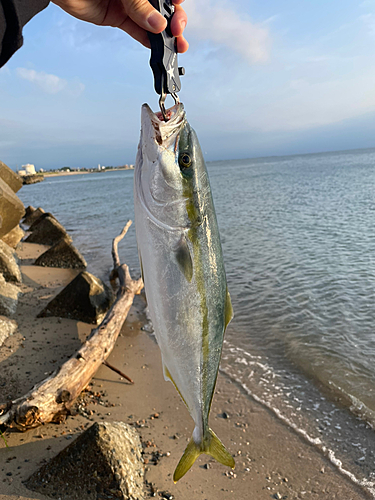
x=182 y=267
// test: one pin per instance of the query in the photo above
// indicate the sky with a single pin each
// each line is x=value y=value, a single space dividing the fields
x=262 y=79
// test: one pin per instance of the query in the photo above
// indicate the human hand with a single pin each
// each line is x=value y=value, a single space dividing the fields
x=135 y=17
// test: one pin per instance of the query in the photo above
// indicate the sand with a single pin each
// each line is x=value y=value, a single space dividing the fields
x=272 y=461
x=61 y=174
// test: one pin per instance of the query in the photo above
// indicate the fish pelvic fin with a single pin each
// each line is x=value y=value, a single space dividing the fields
x=211 y=446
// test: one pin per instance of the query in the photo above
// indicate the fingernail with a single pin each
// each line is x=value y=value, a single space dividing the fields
x=183 y=25
x=156 y=21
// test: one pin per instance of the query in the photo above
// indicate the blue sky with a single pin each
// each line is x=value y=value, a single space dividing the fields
x=262 y=78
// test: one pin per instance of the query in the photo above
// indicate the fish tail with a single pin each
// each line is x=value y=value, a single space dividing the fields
x=211 y=446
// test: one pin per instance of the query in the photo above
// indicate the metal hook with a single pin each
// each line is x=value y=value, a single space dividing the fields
x=162 y=98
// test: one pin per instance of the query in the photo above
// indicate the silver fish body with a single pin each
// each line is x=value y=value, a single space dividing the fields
x=182 y=267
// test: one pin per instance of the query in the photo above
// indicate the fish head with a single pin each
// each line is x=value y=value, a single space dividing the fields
x=168 y=164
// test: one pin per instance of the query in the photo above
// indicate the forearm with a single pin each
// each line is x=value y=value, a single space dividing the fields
x=14 y=14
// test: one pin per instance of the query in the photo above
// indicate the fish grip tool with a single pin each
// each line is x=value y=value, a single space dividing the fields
x=163 y=59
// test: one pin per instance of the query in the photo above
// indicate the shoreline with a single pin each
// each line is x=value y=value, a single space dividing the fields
x=62 y=174
x=272 y=461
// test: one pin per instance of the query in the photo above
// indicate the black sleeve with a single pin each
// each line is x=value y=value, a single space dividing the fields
x=14 y=14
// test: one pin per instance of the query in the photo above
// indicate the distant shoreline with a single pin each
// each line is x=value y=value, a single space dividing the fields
x=59 y=174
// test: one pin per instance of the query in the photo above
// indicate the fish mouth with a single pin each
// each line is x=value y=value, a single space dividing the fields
x=173 y=113
x=164 y=132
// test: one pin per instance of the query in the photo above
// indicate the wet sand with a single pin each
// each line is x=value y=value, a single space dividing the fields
x=272 y=461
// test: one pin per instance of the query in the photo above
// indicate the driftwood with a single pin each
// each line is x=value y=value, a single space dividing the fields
x=51 y=399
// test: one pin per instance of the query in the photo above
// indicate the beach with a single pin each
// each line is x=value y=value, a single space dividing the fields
x=63 y=173
x=272 y=461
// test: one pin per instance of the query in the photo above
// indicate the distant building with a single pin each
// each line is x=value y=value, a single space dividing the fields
x=22 y=172
x=29 y=168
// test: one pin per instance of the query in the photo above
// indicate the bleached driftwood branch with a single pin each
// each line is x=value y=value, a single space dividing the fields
x=51 y=399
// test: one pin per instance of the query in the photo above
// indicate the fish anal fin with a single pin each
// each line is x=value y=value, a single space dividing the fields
x=211 y=446
x=228 y=310
x=141 y=264
x=183 y=258
x=168 y=376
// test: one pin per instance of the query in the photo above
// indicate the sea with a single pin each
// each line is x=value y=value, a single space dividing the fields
x=298 y=236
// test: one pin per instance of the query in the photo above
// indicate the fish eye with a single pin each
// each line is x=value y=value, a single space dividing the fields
x=184 y=160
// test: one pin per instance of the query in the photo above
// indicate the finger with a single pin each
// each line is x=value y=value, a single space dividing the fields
x=182 y=44
x=143 y=14
x=179 y=21
x=139 y=34
x=177 y=2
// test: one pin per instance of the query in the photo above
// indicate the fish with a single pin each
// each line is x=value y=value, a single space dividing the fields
x=182 y=267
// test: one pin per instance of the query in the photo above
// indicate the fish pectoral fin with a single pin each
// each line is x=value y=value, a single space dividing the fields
x=211 y=446
x=183 y=258
x=228 y=310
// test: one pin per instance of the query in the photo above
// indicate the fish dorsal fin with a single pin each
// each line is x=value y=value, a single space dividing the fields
x=228 y=310
x=183 y=258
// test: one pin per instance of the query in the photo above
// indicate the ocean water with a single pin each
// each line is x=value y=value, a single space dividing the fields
x=298 y=235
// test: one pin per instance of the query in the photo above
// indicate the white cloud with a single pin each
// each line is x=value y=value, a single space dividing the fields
x=369 y=21
x=52 y=84
x=222 y=25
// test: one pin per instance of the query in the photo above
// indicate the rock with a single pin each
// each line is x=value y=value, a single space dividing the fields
x=14 y=237
x=8 y=297
x=29 y=210
x=33 y=215
x=40 y=219
x=86 y=299
x=11 y=209
x=48 y=232
x=105 y=462
x=13 y=180
x=7 y=328
x=64 y=255
x=32 y=178
x=8 y=264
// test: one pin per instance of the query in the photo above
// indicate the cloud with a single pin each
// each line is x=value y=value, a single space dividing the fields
x=369 y=21
x=222 y=25
x=51 y=84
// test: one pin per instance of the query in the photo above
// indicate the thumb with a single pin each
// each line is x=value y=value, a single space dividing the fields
x=144 y=14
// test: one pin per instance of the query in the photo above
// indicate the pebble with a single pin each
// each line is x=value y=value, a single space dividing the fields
x=225 y=414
